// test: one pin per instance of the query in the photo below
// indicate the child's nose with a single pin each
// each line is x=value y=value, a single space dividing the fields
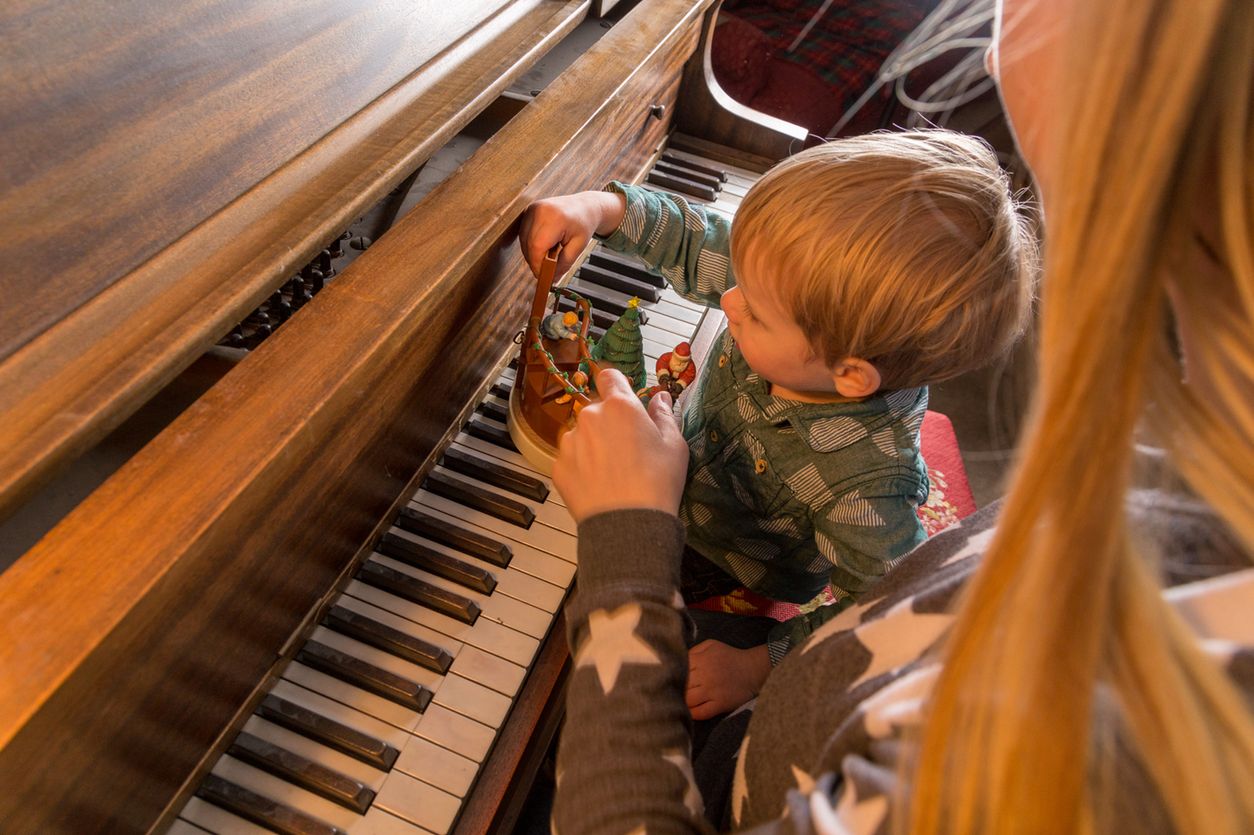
x=727 y=302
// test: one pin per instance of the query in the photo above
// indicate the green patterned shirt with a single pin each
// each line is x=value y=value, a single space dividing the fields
x=785 y=496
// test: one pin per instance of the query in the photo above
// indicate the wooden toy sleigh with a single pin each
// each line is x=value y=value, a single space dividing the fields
x=552 y=383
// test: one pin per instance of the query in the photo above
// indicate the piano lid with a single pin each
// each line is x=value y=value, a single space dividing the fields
x=164 y=167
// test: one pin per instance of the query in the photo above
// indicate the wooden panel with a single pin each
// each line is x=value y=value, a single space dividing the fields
x=151 y=202
x=707 y=111
x=133 y=632
x=138 y=120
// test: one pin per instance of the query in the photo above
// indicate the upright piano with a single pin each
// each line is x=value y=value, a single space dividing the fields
x=323 y=597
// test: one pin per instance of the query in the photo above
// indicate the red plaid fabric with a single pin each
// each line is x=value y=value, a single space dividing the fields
x=815 y=81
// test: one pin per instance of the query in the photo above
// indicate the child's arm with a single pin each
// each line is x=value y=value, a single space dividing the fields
x=687 y=245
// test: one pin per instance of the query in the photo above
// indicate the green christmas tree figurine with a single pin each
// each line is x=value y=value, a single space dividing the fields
x=623 y=347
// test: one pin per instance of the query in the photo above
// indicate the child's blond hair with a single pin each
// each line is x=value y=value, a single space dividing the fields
x=904 y=249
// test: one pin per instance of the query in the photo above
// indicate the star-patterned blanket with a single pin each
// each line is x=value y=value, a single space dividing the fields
x=819 y=754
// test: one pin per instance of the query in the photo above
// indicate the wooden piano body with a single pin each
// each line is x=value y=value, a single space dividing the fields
x=165 y=168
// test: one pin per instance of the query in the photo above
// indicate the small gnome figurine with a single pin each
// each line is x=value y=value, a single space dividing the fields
x=675 y=369
x=561 y=325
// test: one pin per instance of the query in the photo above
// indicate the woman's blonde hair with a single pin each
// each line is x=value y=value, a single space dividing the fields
x=1155 y=140
x=905 y=249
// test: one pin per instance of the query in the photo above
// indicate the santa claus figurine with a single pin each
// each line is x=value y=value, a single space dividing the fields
x=675 y=369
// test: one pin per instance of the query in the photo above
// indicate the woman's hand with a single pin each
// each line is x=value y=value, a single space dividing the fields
x=570 y=220
x=619 y=457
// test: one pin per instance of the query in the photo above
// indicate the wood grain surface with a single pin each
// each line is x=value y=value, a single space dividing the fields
x=163 y=167
x=133 y=632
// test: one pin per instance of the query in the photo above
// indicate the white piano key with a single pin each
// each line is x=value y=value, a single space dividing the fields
x=671 y=295
x=490 y=670
x=438 y=766
x=472 y=446
x=414 y=630
x=363 y=701
x=553 y=515
x=419 y=803
x=521 y=579
x=484 y=634
x=734 y=173
x=542 y=565
x=551 y=540
x=340 y=712
x=380 y=822
x=219 y=821
x=315 y=751
x=456 y=732
x=280 y=791
x=466 y=440
x=473 y=700
x=506 y=610
x=660 y=308
x=182 y=827
x=382 y=659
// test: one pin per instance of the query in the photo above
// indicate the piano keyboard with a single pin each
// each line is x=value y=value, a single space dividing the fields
x=381 y=721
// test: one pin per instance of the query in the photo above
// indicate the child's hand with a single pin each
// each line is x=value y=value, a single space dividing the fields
x=569 y=220
x=619 y=457
x=721 y=678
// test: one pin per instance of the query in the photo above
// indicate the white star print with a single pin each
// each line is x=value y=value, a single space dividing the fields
x=857 y=817
x=805 y=783
x=692 y=796
x=845 y=620
x=890 y=641
x=900 y=704
x=977 y=544
x=612 y=643
x=740 y=789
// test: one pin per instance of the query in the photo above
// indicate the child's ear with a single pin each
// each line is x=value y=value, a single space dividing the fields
x=856 y=378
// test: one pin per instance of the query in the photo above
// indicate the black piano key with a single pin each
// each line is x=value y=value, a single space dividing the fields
x=261 y=810
x=496 y=475
x=708 y=170
x=330 y=733
x=679 y=170
x=680 y=185
x=302 y=772
x=365 y=675
x=600 y=318
x=500 y=390
x=419 y=591
x=602 y=258
x=490 y=433
x=440 y=564
x=454 y=536
x=381 y=636
x=601 y=302
x=494 y=410
x=473 y=496
x=617 y=281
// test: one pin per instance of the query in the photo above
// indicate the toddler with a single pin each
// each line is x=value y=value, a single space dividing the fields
x=854 y=275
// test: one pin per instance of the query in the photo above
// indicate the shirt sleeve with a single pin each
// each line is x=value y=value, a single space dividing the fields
x=859 y=536
x=687 y=245
x=624 y=760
